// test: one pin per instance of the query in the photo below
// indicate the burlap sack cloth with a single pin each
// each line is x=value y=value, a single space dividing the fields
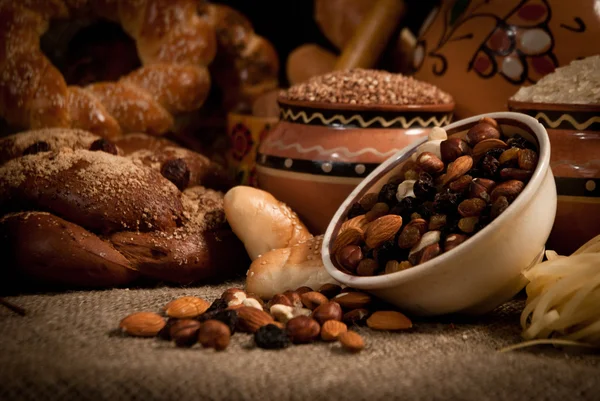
x=65 y=348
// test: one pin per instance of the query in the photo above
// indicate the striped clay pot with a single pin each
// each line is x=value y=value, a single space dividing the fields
x=318 y=152
x=574 y=132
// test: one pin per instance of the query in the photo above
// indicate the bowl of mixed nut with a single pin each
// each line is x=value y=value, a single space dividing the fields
x=449 y=224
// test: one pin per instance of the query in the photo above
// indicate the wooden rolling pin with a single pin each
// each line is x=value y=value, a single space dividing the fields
x=372 y=36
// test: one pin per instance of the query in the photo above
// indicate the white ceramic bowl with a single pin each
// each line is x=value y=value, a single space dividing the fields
x=486 y=270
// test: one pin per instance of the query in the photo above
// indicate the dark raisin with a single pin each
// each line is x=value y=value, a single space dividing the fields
x=426 y=210
x=271 y=337
x=517 y=141
x=451 y=226
x=387 y=194
x=424 y=187
x=356 y=210
x=229 y=317
x=218 y=304
x=37 y=147
x=405 y=207
x=104 y=145
x=476 y=173
x=446 y=202
x=489 y=166
x=177 y=172
x=388 y=251
x=495 y=152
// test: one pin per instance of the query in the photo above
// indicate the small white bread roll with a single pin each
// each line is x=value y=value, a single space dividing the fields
x=262 y=222
x=287 y=269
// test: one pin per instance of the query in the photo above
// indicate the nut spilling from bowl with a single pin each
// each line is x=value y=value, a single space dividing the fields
x=452 y=188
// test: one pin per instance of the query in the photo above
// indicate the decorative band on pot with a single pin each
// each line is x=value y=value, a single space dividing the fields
x=318 y=152
x=574 y=131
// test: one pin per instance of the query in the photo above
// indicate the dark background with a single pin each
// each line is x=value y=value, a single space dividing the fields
x=290 y=23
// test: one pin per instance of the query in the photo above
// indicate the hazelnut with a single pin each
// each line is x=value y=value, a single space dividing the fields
x=177 y=172
x=430 y=252
x=515 y=174
x=214 y=334
x=294 y=298
x=37 y=147
x=185 y=332
x=478 y=190
x=509 y=189
x=328 y=311
x=481 y=131
x=104 y=145
x=453 y=148
x=280 y=299
x=234 y=296
x=313 y=299
x=303 y=290
x=356 y=316
x=303 y=329
x=454 y=240
x=430 y=163
x=461 y=184
x=331 y=290
x=350 y=256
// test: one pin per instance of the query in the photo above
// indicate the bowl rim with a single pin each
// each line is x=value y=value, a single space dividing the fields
x=395 y=279
x=413 y=108
x=566 y=107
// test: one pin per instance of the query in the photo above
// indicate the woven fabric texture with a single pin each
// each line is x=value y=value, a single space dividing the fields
x=67 y=348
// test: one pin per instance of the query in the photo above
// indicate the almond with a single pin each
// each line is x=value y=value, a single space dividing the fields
x=488 y=144
x=430 y=163
x=142 y=324
x=383 y=229
x=458 y=168
x=359 y=222
x=331 y=330
x=350 y=236
x=353 y=300
x=250 y=319
x=186 y=307
x=352 y=341
x=388 y=320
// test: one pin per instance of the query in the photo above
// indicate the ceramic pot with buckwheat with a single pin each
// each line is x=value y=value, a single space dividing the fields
x=336 y=128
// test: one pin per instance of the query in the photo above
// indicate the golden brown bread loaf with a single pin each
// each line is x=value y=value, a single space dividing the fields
x=173 y=43
x=94 y=208
x=49 y=249
x=247 y=64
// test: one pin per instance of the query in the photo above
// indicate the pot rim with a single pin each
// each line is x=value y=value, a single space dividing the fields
x=395 y=279
x=567 y=107
x=440 y=108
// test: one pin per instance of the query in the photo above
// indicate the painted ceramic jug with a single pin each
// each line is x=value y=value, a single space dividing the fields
x=482 y=51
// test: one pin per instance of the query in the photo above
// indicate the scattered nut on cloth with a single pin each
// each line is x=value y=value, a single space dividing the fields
x=67 y=347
